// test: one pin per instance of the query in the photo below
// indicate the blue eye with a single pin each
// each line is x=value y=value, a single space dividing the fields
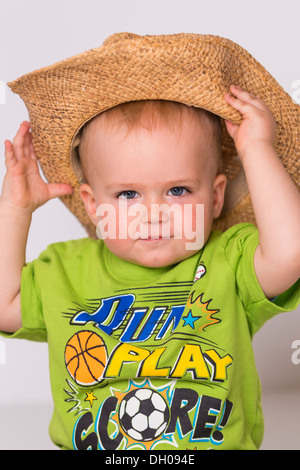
x=128 y=194
x=177 y=191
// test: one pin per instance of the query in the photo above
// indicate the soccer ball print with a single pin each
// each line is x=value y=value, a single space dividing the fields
x=143 y=414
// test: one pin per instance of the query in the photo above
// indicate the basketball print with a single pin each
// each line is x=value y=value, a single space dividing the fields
x=85 y=358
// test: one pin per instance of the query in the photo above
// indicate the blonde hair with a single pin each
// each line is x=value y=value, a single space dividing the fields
x=149 y=114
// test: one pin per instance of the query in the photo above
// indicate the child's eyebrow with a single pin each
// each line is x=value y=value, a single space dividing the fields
x=170 y=183
x=122 y=184
x=184 y=181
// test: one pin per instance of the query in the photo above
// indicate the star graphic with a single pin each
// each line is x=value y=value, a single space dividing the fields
x=190 y=320
x=90 y=397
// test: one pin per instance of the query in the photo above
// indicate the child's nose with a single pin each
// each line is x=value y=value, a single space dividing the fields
x=155 y=213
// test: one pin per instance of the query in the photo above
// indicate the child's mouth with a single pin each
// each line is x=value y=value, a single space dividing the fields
x=155 y=238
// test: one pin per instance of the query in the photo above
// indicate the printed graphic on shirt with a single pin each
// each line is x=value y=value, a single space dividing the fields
x=88 y=363
x=159 y=334
x=147 y=417
x=128 y=318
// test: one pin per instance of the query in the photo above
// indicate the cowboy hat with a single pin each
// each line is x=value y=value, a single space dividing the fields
x=193 y=69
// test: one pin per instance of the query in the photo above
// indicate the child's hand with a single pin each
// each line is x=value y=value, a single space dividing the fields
x=23 y=186
x=258 y=125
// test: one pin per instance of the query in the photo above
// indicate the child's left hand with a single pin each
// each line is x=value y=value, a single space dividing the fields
x=275 y=199
x=258 y=125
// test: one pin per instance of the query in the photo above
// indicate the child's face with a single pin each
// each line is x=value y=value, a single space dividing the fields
x=152 y=170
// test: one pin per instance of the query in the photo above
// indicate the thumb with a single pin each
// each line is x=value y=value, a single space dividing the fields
x=231 y=128
x=58 y=190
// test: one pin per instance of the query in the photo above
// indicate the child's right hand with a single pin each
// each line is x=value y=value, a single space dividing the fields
x=23 y=186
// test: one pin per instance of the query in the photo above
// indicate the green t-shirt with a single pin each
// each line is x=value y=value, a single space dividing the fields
x=151 y=358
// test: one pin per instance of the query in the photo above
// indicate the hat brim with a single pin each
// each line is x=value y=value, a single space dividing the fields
x=193 y=69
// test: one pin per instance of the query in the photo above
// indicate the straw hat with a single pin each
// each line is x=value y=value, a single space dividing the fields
x=190 y=68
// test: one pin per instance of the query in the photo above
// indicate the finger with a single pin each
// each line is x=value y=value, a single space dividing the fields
x=32 y=151
x=247 y=97
x=19 y=140
x=10 y=159
x=9 y=154
x=29 y=151
x=236 y=90
x=28 y=146
x=238 y=104
x=231 y=128
x=59 y=189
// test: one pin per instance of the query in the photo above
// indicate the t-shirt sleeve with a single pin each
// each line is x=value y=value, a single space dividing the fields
x=33 y=325
x=241 y=243
x=59 y=271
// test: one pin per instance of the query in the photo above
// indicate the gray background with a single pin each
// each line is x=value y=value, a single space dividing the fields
x=37 y=33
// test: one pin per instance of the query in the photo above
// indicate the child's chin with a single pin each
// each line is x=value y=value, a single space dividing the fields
x=159 y=262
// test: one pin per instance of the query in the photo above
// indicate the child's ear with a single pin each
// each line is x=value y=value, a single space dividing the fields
x=219 y=194
x=88 y=198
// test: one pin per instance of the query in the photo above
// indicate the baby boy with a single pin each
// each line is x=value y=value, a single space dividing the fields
x=145 y=353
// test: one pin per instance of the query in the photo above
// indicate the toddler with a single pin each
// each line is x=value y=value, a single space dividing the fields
x=150 y=332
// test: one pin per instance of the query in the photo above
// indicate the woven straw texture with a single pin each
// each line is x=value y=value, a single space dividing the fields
x=190 y=68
